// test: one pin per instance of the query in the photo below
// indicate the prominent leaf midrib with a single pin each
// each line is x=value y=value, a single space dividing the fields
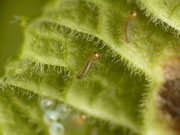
x=156 y=13
x=57 y=37
x=135 y=66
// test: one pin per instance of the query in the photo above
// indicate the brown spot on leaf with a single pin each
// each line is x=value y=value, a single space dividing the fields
x=171 y=68
x=169 y=94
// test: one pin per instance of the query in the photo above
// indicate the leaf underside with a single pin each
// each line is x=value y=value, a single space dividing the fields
x=56 y=46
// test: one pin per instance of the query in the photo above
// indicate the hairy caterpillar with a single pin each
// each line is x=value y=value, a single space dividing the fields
x=94 y=57
x=127 y=26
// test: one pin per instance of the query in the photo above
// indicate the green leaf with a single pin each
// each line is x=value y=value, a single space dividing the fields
x=58 y=43
x=166 y=11
x=19 y=114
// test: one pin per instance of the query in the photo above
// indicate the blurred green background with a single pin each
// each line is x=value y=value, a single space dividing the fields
x=11 y=36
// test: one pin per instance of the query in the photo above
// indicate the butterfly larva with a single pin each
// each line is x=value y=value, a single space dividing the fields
x=127 y=26
x=81 y=119
x=94 y=57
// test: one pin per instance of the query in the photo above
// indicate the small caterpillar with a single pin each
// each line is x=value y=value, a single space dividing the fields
x=127 y=26
x=81 y=119
x=94 y=57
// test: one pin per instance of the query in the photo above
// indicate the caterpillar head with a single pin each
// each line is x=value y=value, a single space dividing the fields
x=95 y=56
x=133 y=14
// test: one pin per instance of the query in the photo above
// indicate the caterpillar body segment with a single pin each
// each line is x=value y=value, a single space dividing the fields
x=94 y=57
x=127 y=26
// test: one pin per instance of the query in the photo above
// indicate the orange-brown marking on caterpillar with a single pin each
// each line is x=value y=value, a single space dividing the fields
x=94 y=57
x=169 y=94
x=80 y=119
x=127 y=26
